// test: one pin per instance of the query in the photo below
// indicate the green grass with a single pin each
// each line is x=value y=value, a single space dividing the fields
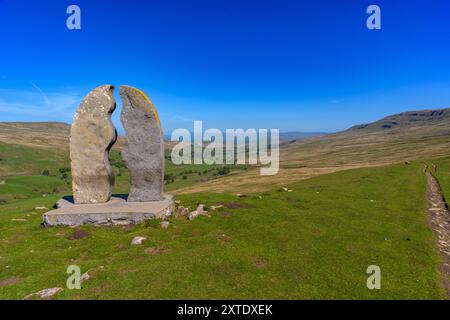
x=24 y=187
x=443 y=175
x=315 y=242
x=17 y=160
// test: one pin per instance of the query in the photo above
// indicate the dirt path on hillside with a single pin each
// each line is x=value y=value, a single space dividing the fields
x=439 y=219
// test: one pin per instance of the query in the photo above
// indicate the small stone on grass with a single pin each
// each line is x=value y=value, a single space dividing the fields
x=44 y=294
x=165 y=224
x=193 y=215
x=138 y=240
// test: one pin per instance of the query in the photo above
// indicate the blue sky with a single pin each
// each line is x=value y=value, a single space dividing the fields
x=293 y=65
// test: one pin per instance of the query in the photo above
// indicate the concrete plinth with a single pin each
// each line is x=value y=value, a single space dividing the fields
x=117 y=211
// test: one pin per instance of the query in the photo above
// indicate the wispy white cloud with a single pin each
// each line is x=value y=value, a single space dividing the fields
x=36 y=104
x=42 y=93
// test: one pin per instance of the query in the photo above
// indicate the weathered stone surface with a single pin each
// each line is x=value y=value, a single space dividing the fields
x=193 y=215
x=201 y=209
x=44 y=294
x=181 y=212
x=85 y=277
x=165 y=224
x=199 y=212
x=138 y=240
x=143 y=151
x=117 y=211
x=91 y=137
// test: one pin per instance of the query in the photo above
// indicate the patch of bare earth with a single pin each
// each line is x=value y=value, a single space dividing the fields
x=439 y=220
x=9 y=281
x=260 y=263
x=78 y=234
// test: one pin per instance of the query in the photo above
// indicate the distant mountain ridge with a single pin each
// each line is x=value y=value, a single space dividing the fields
x=403 y=126
x=56 y=127
x=405 y=120
x=297 y=135
x=398 y=138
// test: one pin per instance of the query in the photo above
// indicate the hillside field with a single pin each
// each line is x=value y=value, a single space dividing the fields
x=340 y=203
x=312 y=243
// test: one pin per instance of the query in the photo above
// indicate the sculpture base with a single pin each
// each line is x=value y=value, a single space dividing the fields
x=117 y=211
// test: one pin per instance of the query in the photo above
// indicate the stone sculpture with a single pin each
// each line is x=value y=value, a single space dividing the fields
x=91 y=137
x=143 y=151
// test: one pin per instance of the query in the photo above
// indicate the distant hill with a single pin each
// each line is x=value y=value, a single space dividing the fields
x=434 y=121
x=284 y=136
x=44 y=127
x=414 y=135
x=38 y=134
x=399 y=137
x=35 y=134
x=411 y=124
x=295 y=136
x=396 y=138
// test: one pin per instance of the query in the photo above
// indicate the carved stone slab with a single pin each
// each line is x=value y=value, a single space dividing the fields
x=91 y=137
x=143 y=151
x=117 y=211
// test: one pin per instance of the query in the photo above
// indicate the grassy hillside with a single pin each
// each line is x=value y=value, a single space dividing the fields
x=395 y=139
x=45 y=173
x=36 y=154
x=314 y=242
x=46 y=135
x=25 y=160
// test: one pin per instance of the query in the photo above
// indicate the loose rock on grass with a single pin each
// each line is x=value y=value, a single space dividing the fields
x=85 y=277
x=165 y=224
x=181 y=212
x=193 y=215
x=138 y=240
x=44 y=294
